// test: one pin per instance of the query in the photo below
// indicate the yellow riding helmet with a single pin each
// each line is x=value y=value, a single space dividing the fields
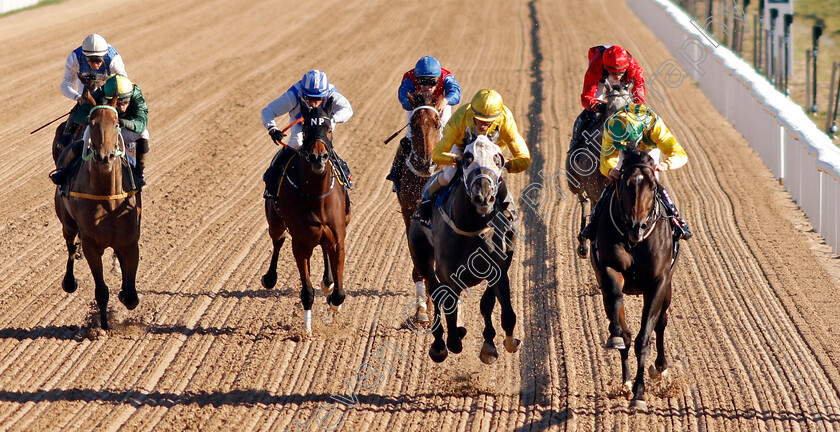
x=487 y=105
x=119 y=86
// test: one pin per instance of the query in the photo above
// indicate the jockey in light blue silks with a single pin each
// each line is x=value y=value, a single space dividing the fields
x=314 y=89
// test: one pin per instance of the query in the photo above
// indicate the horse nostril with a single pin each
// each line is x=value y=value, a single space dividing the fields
x=644 y=226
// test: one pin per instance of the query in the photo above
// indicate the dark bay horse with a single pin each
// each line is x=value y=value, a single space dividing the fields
x=635 y=253
x=314 y=207
x=100 y=212
x=425 y=133
x=470 y=241
x=583 y=160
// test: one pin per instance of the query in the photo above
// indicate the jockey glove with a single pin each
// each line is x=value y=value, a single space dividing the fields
x=596 y=105
x=123 y=123
x=276 y=135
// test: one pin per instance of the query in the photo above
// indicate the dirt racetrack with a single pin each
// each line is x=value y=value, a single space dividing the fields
x=754 y=310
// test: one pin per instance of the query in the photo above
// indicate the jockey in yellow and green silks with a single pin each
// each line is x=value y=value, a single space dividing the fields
x=638 y=125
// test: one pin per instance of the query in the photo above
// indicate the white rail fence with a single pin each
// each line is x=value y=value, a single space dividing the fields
x=791 y=145
x=10 y=5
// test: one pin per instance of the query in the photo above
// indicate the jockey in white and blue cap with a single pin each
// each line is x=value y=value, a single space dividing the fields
x=313 y=89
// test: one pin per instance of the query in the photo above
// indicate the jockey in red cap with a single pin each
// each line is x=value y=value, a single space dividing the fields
x=612 y=64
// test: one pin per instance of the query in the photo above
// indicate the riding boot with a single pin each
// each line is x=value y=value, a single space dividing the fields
x=582 y=123
x=274 y=172
x=347 y=177
x=140 y=164
x=589 y=230
x=427 y=201
x=69 y=129
x=64 y=163
x=398 y=163
x=679 y=225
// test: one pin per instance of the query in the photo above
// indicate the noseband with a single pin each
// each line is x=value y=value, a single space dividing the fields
x=655 y=213
x=119 y=144
x=468 y=184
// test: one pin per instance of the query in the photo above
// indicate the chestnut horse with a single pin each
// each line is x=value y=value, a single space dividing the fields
x=425 y=133
x=634 y=253
x=583 y=175
x=315 y=208
x=101 y=212
x=470 y=241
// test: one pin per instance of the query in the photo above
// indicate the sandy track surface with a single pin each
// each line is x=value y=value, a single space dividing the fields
x=750 y=337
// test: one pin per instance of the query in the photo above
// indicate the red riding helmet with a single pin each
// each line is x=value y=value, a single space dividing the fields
x=616 y=59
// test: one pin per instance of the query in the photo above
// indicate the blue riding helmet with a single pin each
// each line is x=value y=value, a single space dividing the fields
x=427 y=67
x=315 y=84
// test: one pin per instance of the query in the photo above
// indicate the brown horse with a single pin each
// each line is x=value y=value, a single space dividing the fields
x=635 y=253
x=100 y=212
x=314 y=207
x=425 y=133
x=92 y=81
x=583 y=175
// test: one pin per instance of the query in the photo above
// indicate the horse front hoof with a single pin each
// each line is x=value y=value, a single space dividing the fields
x=335 y=308
x=615 y=342
x=638 y=404
x=438 y=356
x=69 y=284
x=512 y=344
x=488 y=355
x=583 y=250
x=130 y=303
x=268 y=282
x=104 y=323
x=455 y=345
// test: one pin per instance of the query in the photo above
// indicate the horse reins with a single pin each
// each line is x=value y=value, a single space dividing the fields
x=653 y=215
x=289 y=126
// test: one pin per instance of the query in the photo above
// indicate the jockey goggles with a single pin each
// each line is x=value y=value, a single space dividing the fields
x=427 y=81
x=95 y=59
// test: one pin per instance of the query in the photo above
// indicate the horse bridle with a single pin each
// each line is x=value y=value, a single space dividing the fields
x=413 y=161
x=654 y=214
x=468 y=185
x=119 y=144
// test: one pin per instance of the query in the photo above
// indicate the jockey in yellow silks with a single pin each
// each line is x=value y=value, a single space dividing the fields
x=485 y=114
x=639 y=125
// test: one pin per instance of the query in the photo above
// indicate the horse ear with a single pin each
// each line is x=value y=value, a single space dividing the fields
x=304 y=107
x=410 y=98
x=328 y=106
x=469 y=136
x=608 y=86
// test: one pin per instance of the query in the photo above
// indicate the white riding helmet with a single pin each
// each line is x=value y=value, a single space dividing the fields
x=94 y=45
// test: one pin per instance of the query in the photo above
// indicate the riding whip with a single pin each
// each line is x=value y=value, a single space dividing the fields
x=51 y=122
x=395 y=134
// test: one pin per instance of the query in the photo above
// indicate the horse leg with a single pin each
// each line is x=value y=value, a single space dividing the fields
x=611 y=286
x=455 y=334
x=337 y=264
x=488 y=354
x=502 y=291
x=327 y=283
x=422 y=313
x=129 y=259
x=651 y=313
x=307 y=293
x=661 y=362
x=94 y=259
x=583 y=246
x=115 y=260
x=438 y=351
x=69 y=283
x=277 y=233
